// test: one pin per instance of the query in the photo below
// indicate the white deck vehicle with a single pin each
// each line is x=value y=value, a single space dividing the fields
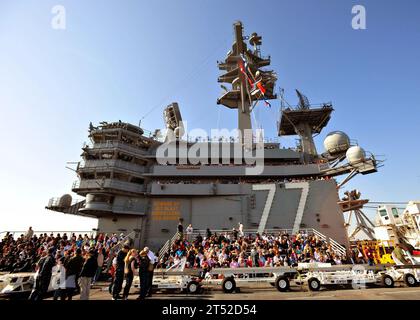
x=17 y=285
x=231 y=278
x=20 y=285
x=408 y=273
x=358 y=276
x=174 y=278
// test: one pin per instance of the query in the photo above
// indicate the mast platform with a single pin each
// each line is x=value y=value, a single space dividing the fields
x=317 y=118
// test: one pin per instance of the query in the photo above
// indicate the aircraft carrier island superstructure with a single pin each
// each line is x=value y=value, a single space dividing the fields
x=125 y=186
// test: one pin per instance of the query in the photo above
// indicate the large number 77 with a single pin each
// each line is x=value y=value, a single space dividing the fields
x=271 y=188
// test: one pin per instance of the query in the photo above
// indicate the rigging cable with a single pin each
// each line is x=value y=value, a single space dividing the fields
x=188 y=77
x=218 y=117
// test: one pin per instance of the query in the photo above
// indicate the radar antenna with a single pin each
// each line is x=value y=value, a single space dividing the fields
x=303 y=100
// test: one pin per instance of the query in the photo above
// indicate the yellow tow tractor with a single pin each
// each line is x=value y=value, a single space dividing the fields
x=381 y=250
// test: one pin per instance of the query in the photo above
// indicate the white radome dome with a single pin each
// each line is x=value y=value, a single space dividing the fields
x=336 y=141
x=355 y=154
x=65 y=201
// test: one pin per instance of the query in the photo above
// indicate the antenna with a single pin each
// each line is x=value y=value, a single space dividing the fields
x=283 y=101
x=72 y=162
x=303 y=100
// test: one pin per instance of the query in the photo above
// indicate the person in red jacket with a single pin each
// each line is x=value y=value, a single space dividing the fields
x=368 y=255
x=111 y=272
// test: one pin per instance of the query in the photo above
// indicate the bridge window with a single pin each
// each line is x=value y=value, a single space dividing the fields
x=395 y=212
x=383 y=213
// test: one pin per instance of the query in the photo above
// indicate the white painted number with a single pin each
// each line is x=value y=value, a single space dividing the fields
x=271 y=188
x=268 y=203
x=302 y=202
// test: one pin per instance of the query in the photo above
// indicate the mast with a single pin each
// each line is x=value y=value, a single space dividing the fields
x=244 y=82
x=244 y=113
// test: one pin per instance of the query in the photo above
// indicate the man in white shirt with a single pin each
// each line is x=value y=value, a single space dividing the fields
x=29 y=233
x=189 y=232
x=59 y=279
x=241 y=230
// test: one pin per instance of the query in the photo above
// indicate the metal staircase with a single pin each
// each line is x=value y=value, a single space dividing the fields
x=129 y=237
x=168 y=244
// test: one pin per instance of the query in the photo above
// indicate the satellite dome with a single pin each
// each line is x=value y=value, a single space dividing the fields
x=355 y=154
x=336 y=142
x=65 y=201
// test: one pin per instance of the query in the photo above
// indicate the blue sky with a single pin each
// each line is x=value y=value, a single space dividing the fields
x=121 y=59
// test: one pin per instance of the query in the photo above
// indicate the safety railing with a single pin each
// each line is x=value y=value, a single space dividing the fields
x=312 y=105
x=138 y=150
x=168 y=244
x=55 y=202
x=118 y=246
x=109 y=184
x=334 y=244
x=246 y=232
x=110 y=163
x=18 y=233
x=69 y=233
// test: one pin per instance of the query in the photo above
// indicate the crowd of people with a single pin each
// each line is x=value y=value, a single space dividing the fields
x=234 y=249
x=80 y=261
x=21 y=254
x=241 y=180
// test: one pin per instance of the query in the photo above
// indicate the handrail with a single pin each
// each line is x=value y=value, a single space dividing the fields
x=312 y=105
x=118 y=245
x=122 y=241
x=334 y=244
x=48 y=232
x=139 y=150
x=61 y=232
x=246 y=231
x=109 y=183
x=55 y=202
x=107 y=163
x=167 y=245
